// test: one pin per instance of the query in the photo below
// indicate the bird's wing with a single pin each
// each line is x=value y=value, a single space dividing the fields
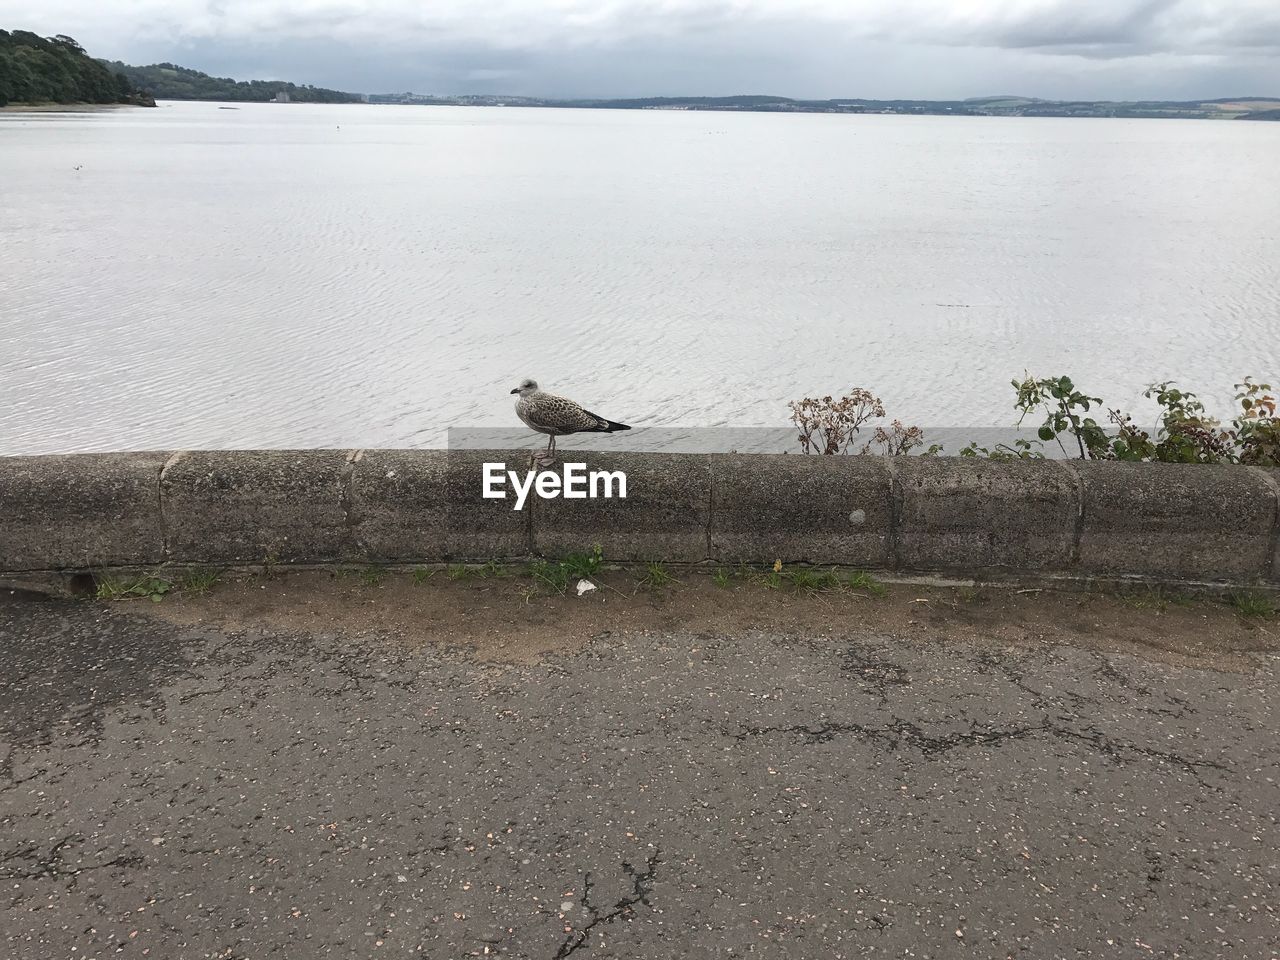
x=556 y=413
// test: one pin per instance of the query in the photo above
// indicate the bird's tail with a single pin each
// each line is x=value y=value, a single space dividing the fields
x=603 y=425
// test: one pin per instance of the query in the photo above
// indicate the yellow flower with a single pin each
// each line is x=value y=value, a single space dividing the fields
x=777 y=566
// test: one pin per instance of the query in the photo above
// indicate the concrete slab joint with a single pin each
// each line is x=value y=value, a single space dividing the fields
x=80 y=511
x=1272 y=477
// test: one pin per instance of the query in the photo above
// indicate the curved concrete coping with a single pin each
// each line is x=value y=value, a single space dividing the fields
x=970 y=518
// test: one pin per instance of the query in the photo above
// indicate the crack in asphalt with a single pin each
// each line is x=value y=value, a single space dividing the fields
x=52 y=864
x=900 y=732
x=893 y=734
x=879 y=675
x=641 y=888
x=470 y=789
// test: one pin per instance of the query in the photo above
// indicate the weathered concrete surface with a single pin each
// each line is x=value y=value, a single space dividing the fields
x=1175 y=520
x=78 y=511
x=413 y=505
x=1165 y=522
x=967 y=515
x=1275 y=546
x=665 y=515
x=251 y=506
x=181 y=793
x=801 y=509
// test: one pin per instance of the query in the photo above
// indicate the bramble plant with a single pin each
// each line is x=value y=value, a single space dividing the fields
x=1184 y=433
x=1062 y=405
x=1019 y=450
x=1257 y=427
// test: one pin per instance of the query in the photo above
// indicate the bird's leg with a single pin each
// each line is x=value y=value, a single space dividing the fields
x=548 y=456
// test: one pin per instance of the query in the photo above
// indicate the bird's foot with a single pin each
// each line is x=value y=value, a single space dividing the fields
x=544 y=460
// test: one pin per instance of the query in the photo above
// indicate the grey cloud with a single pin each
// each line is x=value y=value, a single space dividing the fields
x=818 y=48
x=1077 y=25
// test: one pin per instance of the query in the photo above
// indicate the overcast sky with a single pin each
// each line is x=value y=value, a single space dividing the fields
x=1117 y=49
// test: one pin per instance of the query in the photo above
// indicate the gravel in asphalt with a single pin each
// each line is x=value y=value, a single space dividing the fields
x=193 y=790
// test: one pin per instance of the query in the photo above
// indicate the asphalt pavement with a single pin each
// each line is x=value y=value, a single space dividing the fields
x=191 y=792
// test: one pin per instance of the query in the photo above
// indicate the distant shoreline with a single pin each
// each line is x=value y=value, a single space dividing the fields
x=1102 y=110
x=1225 y=108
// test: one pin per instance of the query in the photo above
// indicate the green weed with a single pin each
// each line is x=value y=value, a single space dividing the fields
x=584 y=565
x=771 y=580
x=1252 y=605
x=490 y=569
x=422 y=574
x=812 y=581
x=861 y=580
x=198 y=582
x=550 y=574
x=372 y=576
x=721 y=578
x=1155 y=598
x=483 y=571
x=147 y=586
x=1143 y=600
x=656 y=576
x=556 y=575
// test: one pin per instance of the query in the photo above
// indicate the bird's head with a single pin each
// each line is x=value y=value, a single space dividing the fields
x=526 y=387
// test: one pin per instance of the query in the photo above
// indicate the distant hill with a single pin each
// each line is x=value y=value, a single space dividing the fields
x=1242 y=108
x=168 y=81
x=35 y=69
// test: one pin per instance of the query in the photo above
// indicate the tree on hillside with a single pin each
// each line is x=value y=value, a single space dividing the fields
x=35 y=69
x=168 y=81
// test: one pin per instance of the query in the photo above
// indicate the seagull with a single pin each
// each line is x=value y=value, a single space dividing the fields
x=556 y=416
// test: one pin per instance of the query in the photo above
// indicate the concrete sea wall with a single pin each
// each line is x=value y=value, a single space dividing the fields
x=915 y=515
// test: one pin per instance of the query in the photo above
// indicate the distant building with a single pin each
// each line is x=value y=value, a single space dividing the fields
x=281 y=97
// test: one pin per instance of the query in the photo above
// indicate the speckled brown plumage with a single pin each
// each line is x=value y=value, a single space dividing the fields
x=557 y=416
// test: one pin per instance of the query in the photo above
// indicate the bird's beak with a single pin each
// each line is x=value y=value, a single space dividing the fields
x=516 y=390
